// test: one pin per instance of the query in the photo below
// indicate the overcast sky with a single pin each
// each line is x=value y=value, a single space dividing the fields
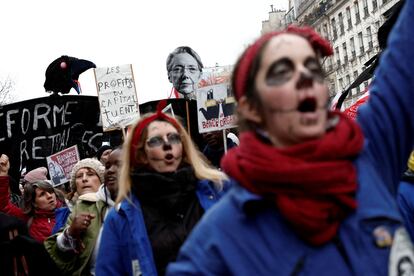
x=109 y=33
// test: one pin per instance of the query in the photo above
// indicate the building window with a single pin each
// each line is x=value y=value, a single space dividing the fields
x=338 y=59
x=329 y=65
x=325 y=30
x=345 y=53
x=357 y=16
x=341 y=23
x=384 y=2
x=361 y=43
x=334 y=32
x=341 y=84
x=377 y=25
x=369 y=36
x=374 y=5
x=348 y=18
x=365 y=4
x=352 y=45
x=355 y=77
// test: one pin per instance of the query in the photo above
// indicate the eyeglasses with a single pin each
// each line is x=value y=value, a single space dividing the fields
x=157 y=141
x=178 y=70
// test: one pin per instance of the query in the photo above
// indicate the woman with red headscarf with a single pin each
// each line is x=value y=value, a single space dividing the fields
x=164 y=187
x=316 y=193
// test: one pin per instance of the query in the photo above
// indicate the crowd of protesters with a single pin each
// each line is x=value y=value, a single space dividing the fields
x=303 y=191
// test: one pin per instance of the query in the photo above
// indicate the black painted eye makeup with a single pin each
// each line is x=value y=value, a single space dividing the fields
x=280 y=72
x=315 y=68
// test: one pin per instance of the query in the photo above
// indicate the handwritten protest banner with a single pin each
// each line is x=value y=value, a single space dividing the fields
x=60 y=164
x=34 y=129
x=215 y=105
x=117 y=96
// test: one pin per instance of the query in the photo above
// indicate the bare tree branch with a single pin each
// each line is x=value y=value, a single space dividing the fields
x=6 y=88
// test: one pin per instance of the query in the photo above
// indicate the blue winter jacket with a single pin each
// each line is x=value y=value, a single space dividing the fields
x=241 y=236
x=125 y=248
x=406 y=205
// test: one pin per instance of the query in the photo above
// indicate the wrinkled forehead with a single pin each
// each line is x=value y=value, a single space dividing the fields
x=287 y=46
x=184 y=59
x=158 y=127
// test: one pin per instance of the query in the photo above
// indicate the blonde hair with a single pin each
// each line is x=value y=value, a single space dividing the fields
x=191 y=156
x=410 y=163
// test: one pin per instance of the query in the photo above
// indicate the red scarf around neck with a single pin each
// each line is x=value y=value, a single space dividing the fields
x=313 y=184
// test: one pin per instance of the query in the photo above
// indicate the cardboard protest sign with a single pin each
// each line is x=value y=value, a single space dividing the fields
x=60 y=164
x=34 y=129
x=215 y=105
x=117 y=96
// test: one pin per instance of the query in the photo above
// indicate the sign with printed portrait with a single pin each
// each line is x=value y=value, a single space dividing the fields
x=60 y=164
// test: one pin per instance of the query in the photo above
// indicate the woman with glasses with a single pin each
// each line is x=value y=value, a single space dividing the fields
x=184 y=69
x=165 y=187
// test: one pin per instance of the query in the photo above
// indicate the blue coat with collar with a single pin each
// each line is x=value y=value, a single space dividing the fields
x=242 y=236
x=125 y=248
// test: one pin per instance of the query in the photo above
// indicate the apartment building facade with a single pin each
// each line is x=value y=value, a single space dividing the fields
x=351 y=26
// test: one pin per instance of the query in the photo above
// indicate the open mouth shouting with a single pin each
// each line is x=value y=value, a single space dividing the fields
x=307 y=105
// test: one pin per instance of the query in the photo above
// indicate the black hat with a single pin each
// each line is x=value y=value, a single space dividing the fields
x=101 y=151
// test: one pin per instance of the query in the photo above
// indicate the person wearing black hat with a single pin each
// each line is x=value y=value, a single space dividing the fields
x=103 y=153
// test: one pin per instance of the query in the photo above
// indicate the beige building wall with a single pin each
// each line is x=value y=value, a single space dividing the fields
x=276 y=21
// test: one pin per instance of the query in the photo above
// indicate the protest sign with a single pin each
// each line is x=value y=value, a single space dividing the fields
x=215 y=105
x=117 y=96
x=60 y=164
x=34 y=129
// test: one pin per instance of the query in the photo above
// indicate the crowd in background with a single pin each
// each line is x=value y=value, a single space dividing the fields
x=302 y=191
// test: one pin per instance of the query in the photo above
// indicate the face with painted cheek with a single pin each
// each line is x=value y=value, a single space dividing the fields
x=292 y=92
x=163 y=147
x=185 y=73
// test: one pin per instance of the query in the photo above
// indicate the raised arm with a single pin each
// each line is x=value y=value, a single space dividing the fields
x=5 y=205
x=388 y=118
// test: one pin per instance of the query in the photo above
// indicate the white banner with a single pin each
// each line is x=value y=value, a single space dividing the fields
x=117 y=95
